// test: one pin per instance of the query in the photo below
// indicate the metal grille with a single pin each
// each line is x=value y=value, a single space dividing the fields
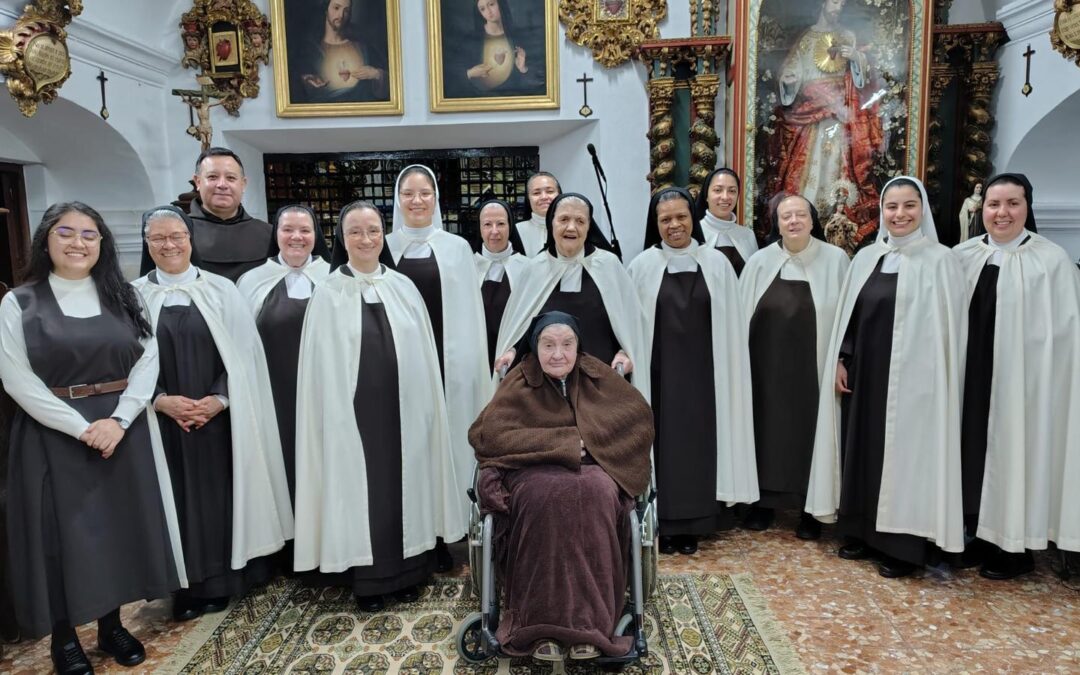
x=327 y=182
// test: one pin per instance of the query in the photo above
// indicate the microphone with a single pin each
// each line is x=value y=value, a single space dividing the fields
x=595 y=160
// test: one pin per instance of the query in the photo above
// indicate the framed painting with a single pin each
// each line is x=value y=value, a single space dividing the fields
x=832 y=103
x=337 y=57
x=493 y=55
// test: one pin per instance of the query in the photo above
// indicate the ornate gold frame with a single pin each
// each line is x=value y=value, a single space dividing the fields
x=612 y=36
x=1068 y=43
x=439 y=103
x=285 y=106
x=33 y=53
x=252 y=31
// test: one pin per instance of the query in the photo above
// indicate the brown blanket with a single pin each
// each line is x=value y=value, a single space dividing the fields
x=529 y=423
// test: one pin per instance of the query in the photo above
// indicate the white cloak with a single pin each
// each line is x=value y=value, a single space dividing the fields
x=542 y=275
x=256 y=284
x=514 y=266
x=332 y=508
x=920 y=477
x=736 y=458
x=468 y=385
x=262 y=518
x=533 y=238
x=743 y=237
x=1031 y=485
x=825 y=267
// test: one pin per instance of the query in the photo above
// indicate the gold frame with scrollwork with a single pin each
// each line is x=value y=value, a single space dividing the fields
x=286 y=107
x=1069 y=49
x=31 y=50
x=612 y=37
x=441 y=103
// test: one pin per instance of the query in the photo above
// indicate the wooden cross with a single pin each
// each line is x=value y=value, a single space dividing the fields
x=1027 y=75
x=585 y=110
x=102 y=79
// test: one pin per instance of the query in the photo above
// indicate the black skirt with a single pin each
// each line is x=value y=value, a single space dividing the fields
x=978 y=373
x=495 y=294
x=424 y=273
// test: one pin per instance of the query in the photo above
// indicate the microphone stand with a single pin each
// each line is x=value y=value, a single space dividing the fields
x=601 y=181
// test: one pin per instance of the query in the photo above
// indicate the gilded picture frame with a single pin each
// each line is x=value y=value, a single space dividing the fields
x=337 y=58
x=493 y=56
x=831 y=101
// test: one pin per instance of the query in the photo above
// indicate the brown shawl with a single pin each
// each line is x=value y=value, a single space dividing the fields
x=528 y=422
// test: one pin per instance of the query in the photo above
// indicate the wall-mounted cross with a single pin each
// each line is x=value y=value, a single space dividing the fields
x=585 y=110
x=1027 y=75
x=104 y=110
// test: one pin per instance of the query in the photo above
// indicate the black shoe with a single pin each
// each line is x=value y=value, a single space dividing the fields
x=370 y=603
x=667 y=545
x=894 y=568
x=122 y=646
x=759 y=519
x=70 y=659
x=1004 y=566
x=687 y=544
x=854 y=549
x=976 y=552
x=406 y=595
x=186 y=608
x=809 y=528
x=444 y=562
x=214 y=605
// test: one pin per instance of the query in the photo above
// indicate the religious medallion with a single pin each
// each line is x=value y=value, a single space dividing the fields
x=226 y=40
x=1065 y=36
x=34 y=54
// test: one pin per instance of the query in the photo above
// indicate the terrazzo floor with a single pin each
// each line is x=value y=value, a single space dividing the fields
x=839 y=615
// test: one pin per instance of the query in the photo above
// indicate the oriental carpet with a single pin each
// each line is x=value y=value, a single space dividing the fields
x=702 y=623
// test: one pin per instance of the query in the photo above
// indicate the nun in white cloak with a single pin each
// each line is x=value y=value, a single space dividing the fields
x=789 y=291
x=442 y=267
x=500 y=262
x=577 y=274
x=375 y=476
x=716 y=203
x=704 y=445
x=1021 y=422
x=214 y=408
x=890 y=419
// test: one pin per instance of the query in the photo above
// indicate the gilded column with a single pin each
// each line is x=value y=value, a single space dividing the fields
x=703 y=137
x=661 y=133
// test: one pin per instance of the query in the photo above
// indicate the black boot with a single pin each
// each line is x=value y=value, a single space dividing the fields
x=122 y=646
x=686 y=544
x=854 y=549
x=809 y=528
x=370 y=603
x=1003 y=566
x=444 y=562
x=894 y=568
x=67 y=654
x=185 y=607
x=407 y=595
x=667 y=544
x=758 y=519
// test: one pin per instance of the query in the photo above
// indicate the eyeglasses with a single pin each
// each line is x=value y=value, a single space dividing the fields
x=409 y=195
x=177 y=238
x=68 y=235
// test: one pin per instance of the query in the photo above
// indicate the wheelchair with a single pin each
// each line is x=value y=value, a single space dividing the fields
x=476 y=641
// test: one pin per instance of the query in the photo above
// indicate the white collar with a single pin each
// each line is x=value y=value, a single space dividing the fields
x=578 y=259
x=718 y=223
x=496 y=257
x=685 y=250
x=60 y=283
x=898 y=243
x=368 y=277
x=417 y=234
x=1011 y=245
x=538 y=220
x=185 y=277
x=295 y=270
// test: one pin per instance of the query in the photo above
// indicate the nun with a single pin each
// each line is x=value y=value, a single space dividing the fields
x=216 y=414
x=499 y=263
x=278 y=292
x=577 y=274
x=542 y=188
x=790 y=291
x=699 y=361
x=1021 y=420
x=373 y=405
x=91 y=518
x=716 y=204
x=442 y=267
x=890 y=414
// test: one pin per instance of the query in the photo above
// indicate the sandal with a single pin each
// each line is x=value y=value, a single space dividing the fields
x=583 y=651
x=549 y=650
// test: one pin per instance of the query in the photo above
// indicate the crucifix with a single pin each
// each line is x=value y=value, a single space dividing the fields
x=102 y=79
x=198 y=101
x=585 y=110
x=1027 y=75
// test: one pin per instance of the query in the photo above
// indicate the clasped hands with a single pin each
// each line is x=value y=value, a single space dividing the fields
x=103 y=435
x=187 y=412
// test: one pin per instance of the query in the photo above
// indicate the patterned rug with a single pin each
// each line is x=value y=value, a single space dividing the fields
x=695 y=624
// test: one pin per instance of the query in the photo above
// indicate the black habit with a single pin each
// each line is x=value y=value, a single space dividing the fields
x=229 y=247
x=494 y=294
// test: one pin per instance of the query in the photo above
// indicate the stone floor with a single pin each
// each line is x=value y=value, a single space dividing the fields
x=839 y=615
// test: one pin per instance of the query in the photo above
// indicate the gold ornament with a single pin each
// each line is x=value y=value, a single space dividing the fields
x=612 y=29
x=34 y=54
x=827 y=53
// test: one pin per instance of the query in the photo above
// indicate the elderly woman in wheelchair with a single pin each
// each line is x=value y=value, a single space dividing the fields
x=563 y=450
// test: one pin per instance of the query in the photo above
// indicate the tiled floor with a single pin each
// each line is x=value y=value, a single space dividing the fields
x=839 y=615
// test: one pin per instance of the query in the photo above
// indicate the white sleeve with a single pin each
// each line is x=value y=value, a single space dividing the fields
x=142 y=381
x=23 y=384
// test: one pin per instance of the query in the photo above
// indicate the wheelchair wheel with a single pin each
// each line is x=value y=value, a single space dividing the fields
x=649 y=570
x=470 y=644
x=476 y=568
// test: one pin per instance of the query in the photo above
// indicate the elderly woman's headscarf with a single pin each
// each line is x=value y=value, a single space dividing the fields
x=816 y=230
x=979 y=228
x=340 y=255
x=594 y=239
x=542 y=321
x=320 y=249
x=703 y=193
x=515 y=238
x=146 y=264
x=652 y=228
x=926 y=223
x=436 y=216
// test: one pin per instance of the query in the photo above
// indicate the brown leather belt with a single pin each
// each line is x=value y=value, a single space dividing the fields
x=84 y=390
